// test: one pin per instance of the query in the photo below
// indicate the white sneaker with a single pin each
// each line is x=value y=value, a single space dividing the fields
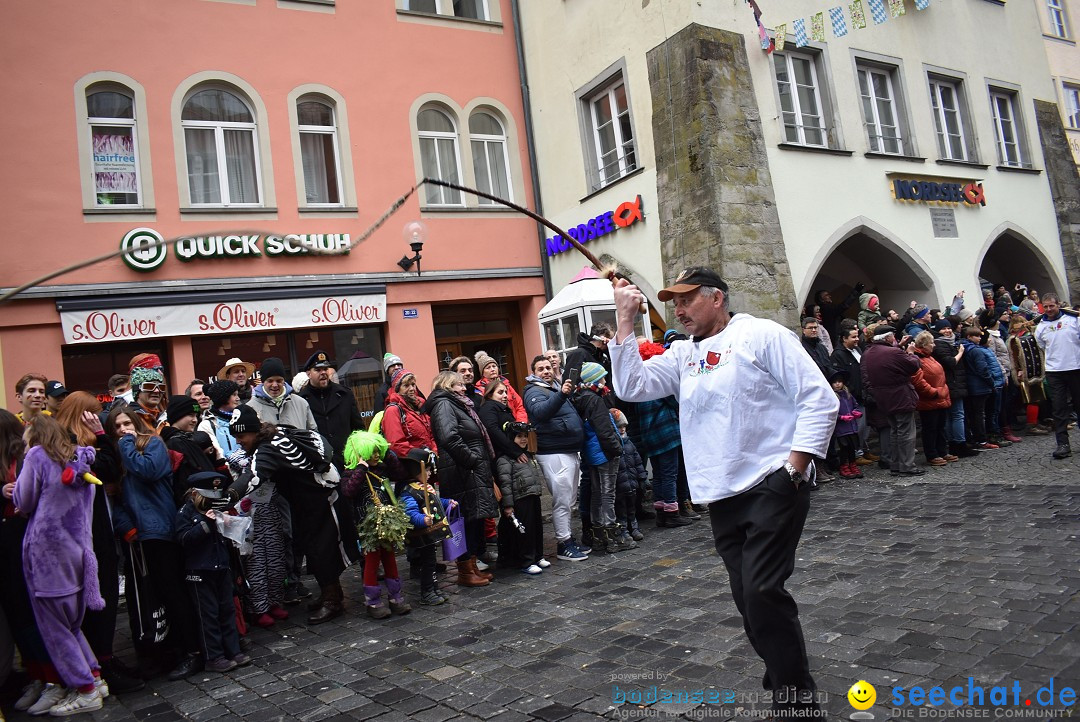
x=77 y=702
x=30 y=694
x=52 y=694
x=543 y=563
x=480 y=565
x=532 y=569
x=101 y=686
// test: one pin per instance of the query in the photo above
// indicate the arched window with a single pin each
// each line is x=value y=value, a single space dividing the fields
x=317 y=126
x=439 y=156
x=114 y=143
x=490 y=161
x=222 y=149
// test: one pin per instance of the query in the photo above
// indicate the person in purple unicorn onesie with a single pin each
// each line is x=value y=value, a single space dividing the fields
x=58 y=557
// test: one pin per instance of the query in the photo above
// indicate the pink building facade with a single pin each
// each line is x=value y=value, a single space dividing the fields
x=249 y=129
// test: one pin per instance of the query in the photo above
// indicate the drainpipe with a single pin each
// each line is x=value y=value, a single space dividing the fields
x=531 y=144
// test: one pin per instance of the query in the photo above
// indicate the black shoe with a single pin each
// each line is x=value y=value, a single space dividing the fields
x=302 y=592
x=645 y=513
x=672 y=519
x=119 y=677
x=189 y=665
x=440 y=567
x=883 y=464
x=1062 y=451
x=291 y=597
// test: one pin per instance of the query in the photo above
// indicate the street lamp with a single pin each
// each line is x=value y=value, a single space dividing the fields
x=415 y=233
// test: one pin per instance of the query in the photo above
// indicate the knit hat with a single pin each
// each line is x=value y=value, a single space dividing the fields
x=389 y=359
x=940 y=325
x=141 y=375
x=180 y=407
x=919 y=311
x=965 y=314
x=272 y=367
x=220 y=391
x=620 y=418
x=592 y=373
x=482 y=360
x=244 y=420
x=398 y=377
x=300 y=381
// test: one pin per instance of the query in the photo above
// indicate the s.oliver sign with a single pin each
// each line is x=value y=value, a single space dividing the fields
x=215 y=318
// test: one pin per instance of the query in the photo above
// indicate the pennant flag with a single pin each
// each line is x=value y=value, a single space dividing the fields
x=781 y=36
x=839 y=25
x=817 y=27
x=896 y=7
x=800 y=33
x=858 y=17
x=766 y=43
x=877 y=11
x=922 y=4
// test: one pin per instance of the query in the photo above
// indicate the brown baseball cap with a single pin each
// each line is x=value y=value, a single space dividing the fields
x=690 y=279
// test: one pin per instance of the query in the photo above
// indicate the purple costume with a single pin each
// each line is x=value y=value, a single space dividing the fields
x=58 y=558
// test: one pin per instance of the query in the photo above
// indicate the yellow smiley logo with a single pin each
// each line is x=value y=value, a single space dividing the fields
x=862 y=695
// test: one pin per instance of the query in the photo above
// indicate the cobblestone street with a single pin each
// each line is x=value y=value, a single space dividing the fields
x=971 y=570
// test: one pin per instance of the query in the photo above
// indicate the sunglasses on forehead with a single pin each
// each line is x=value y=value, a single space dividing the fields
x=151 y=386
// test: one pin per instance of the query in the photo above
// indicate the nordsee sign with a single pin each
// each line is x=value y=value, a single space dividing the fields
x=141 y=253
x=923 y=191
x=625 y=215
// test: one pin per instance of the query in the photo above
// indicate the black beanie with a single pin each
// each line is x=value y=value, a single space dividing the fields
x=244 y=419
x=220 y=391
x=272 y=367
x=179 y=407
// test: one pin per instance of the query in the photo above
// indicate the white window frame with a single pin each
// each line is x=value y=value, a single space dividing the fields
x=1055 y=10
x=876 y=139
x=607 y=93
x=331 y=130
x=433 y=136
x=799 y=127
x=939 y=110
x=484 y=139
x=446 y=7
x=219 y=128
x=131 y=123
x=1014 y=121
x=1071 y=95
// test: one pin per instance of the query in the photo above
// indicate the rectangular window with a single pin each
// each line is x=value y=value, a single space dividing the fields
x=1007 y=129
x=1072 y=106
x=800 y=99
x=472 y=9
x=1057 y=18
x=114 y=145
x=881 y=109
x=612 y=134
x=945 y=99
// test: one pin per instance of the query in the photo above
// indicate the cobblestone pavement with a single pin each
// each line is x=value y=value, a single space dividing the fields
x=971 y=570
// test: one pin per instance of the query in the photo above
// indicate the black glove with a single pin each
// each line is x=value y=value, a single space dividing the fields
x=860 y=287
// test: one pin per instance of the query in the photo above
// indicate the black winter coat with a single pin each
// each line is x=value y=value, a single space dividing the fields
x=464 y=462
x=632 y=475
x=844 y=360
x=955 y=374
x=195 y=460
x=336 y=415
x=204 y=548
x=818 y=353
x=494 y=414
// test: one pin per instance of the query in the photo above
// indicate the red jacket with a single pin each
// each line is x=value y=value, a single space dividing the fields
x=929 y=382
x=416 y=431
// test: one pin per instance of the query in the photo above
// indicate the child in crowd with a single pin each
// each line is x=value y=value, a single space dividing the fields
x=209 y=576
x=521 y=533
x=601 y=454
x=363 y=450
x=846 y=433
x=59 y=562
x=425 y=509
x=632 y=476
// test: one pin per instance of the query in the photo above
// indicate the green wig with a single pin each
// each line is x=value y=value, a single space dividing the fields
x=361 y=446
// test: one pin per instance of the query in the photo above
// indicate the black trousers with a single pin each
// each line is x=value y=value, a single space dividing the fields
x=315 y=527
x=211 y=592
x=756 y=534
x=425 y=557
x=935 y=445
x=1063 y=385
x=975 y=417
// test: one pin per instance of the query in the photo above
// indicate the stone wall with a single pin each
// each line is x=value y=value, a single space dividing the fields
x=716 y=201
x=1064 y=182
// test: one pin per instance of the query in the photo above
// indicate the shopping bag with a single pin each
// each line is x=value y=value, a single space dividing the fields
x=454 y=546
x=146 y=612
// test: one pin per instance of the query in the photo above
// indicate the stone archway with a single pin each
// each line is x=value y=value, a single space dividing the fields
x=1011 y=258
x=863 y=251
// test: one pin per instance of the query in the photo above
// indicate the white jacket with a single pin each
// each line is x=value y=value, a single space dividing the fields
x=748 y=396
x=1060 y=340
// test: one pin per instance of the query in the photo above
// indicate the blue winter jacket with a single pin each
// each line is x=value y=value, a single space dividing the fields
x=558 y=425
x=146 y=496
x=204 y=547
x=983 y=370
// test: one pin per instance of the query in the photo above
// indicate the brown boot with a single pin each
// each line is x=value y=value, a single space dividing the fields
x=332 y=604
x=467 y=576
x=476 y=570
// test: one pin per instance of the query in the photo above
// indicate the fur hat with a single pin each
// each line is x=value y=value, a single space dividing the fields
x=389 y=360
x=482 y=360
x=220 y=391
x=592 y=373
x=244 y=420
x=180 y=407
